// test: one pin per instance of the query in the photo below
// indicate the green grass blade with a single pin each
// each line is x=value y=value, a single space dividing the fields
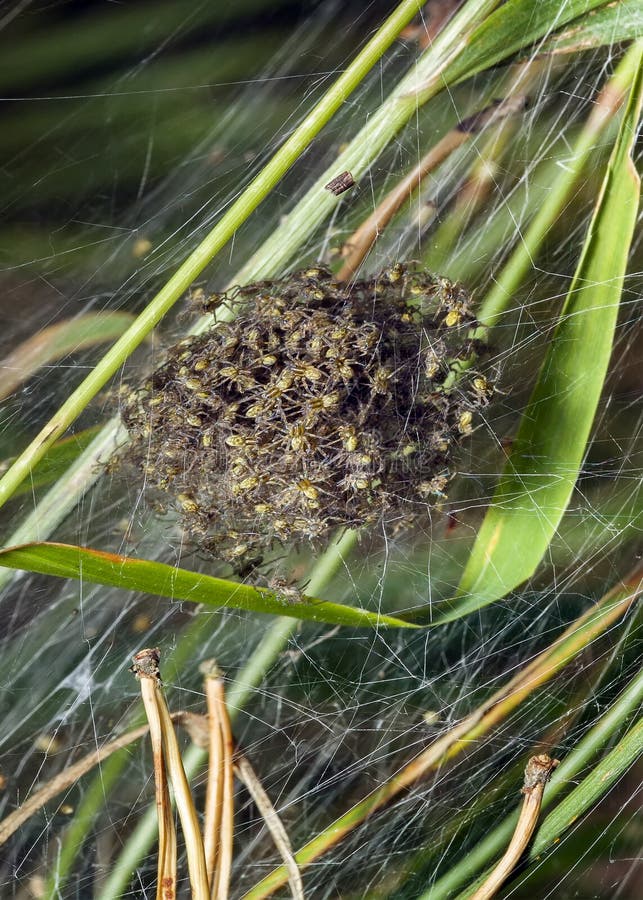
x=544 y=462
x=362 y=151
x=55 y=462
x=477 y=37
x=495 y=842
x=512 y=27
x=615 y=22
x=127 y=573
x=563 y=182
x=591 y=789
x=222 y=232
x=63 y=495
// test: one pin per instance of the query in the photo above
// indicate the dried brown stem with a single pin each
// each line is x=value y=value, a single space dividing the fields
x=221 y=877
x=59 y=783
x=592 y=623
x=275 y=826
x=215 y=698
x=521 y=82
x=65 y=779
x=434 y=17
x=146 y=670
x=361 y=241
x=184 y=805
x=537 y=773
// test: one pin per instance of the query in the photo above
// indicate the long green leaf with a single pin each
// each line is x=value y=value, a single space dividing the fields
x=97 y=567
x=513 y=26
x=544 y=462
x=615 y=22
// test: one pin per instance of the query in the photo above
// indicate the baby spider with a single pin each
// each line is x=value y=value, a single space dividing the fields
x=242 y=380
x=304 y=371
x=301 y=439
x=380 y=380
x=285 y=591
x=208 y=303
x=483 y=390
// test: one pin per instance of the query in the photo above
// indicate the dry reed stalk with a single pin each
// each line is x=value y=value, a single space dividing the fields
x=537 y=773
x=146 y=669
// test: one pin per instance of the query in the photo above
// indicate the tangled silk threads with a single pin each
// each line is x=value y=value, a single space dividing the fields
x=323 y=404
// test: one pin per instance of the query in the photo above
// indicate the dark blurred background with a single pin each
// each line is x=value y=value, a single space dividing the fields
x=102 y=101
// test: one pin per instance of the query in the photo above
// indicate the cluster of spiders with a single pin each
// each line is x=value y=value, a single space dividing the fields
x=322 y=405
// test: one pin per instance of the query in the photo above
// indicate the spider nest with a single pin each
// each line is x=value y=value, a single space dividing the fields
x=322 y=405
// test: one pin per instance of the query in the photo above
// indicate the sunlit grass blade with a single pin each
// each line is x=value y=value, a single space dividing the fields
x=214 y=690
x=596 y=785
x=547 y=453
x=561 y=181
x=477 y=37
x=537 y=775
x=364 y=148
x=184 y=804
x=127 y=573
x=514 y=25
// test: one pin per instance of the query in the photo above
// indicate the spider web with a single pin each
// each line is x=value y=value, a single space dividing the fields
x=340 y=711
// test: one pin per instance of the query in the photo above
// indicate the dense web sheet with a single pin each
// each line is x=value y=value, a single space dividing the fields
x=341 y=710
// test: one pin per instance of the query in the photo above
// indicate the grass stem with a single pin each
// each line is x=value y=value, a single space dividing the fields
x=248 y=776
x=537 y=773
x=184 y=805
x=223 y=868
x=213 y=684
x=146 y=669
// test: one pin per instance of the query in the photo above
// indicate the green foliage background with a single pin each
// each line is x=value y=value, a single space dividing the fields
x=128 y=132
